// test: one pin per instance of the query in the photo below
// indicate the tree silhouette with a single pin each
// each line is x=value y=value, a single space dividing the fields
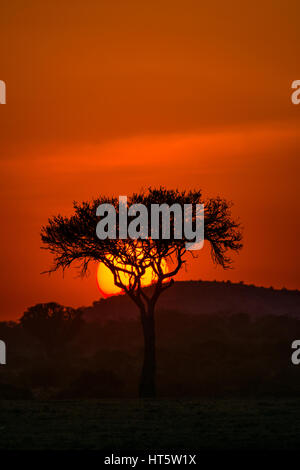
x=73 y=239
x=52 y=324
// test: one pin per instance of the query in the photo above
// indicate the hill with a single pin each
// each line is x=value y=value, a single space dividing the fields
x=212 y=340
x=204 y=297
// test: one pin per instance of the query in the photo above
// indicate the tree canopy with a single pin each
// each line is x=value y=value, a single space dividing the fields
x=73 y=239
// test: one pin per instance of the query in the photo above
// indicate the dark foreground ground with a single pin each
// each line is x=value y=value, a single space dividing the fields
x=151 y=426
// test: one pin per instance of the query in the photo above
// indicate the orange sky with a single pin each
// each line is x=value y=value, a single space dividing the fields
x=110 y=97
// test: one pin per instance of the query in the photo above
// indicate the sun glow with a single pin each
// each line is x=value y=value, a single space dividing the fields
x=105 y=278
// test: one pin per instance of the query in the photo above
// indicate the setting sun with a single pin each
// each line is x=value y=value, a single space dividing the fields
x=105 y=279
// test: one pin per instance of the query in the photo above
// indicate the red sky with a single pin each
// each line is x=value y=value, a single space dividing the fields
x=110 y=97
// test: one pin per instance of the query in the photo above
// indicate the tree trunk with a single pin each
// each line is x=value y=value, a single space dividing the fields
x=147 y=382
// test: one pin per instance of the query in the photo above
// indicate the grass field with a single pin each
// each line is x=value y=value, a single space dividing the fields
x=151 y=425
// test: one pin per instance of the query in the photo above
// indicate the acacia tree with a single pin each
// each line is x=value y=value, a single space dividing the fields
x=73 y=239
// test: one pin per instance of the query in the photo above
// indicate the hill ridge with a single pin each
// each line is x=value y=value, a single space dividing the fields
x=203 y=297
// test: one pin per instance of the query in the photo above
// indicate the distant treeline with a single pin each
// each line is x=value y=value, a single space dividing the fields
x=52 y=352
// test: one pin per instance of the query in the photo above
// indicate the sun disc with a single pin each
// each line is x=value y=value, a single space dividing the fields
x=106 y=284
